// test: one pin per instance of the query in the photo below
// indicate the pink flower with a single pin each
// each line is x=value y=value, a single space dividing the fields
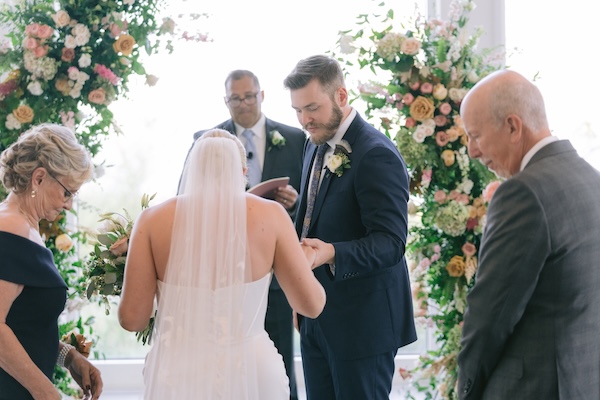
x=68 y=119
x=489 y=190
x=469 y=249
x=415 y=85
x=119 y=247
x=426 y=177
x=45 y=32
x=440 y=120
x=97 y=96
x=107 y=74
x=410 y=122
x=408 y=99
x=32 y=29
x=442 y=138
x=40 y=51
x=435 y=257
x=472 y=223
x=445 y=108
x=463 y=199
x=30 y=43
x=439 y=196
x=404 y=373
x=453 y=195
x=426 y=88
x=67 y=55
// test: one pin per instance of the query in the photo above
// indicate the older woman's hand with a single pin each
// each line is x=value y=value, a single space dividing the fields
x=86 y=375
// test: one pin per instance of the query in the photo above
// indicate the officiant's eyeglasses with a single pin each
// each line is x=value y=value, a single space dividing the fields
x=236 y=101
x=68 y=194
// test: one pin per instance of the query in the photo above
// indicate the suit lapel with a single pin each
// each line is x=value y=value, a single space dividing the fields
x=269 y=155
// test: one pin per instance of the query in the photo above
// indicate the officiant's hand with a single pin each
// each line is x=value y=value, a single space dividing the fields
x=286 y=196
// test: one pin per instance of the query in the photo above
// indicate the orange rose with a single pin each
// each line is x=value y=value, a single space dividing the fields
x=422 y=108
x=124 y=44
x=456 y=266
x=23 y=114
x=97 y=96
x=62 y=85
x=448 y=157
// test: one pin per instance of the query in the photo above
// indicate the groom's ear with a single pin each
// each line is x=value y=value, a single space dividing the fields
x=341 y=96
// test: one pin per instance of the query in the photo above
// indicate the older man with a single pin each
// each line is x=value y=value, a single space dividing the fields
x=533 y=317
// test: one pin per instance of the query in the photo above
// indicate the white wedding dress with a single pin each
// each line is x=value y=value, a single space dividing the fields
x=257 y=372
x=209 y=341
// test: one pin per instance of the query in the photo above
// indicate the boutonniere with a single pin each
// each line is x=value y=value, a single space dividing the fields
x=276 y=139
x=340 y=160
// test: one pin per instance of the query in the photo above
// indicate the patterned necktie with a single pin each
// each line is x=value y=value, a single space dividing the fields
x=314 y=187
x=254 y=172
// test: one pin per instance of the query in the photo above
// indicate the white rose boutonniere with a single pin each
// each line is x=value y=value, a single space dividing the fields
x=340 y=160
x=276 y=139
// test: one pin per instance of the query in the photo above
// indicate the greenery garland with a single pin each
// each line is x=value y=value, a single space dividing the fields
x=430 y=66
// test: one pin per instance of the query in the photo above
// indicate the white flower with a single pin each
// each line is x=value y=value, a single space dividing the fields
x=168 y=26
x=12 y=122
x=70 y=42
x=424 y=131
x=429 y=123
x=85 y=60
x=346 y=44
x=334 y=162
x=128 y=2
x=419 y=135
x=276 y=139
x=61 y=18
x=390 y=45
x=472 y=76
x=35 y=88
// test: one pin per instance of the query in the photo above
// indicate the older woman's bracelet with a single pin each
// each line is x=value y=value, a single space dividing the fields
x=62 y=354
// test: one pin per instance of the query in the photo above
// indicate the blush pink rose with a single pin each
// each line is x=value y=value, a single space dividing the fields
x=120 y=247
x=408 y=99
x=489 y=190
x=462 y=199
x=410 y=122
x=415 y=85
x=426 y=88
x=67 y=55
x=97 y=96
x=40 y=51
x=445 y=108
x=442 y=138
x=439 y=196
x=469 y=249
x=453 y=195
x=45 y=32
x=30 y=43
x=440 y=120
x=32 y=29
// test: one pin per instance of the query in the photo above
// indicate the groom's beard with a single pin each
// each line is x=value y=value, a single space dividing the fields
x=330 y=127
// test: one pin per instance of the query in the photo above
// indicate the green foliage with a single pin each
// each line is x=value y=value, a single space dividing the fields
x=419 y=77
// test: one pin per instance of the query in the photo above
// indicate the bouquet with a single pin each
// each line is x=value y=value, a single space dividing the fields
x=430 y=66
x=105 y=267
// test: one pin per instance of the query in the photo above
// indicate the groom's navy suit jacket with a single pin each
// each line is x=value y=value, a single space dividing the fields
x=363 y=213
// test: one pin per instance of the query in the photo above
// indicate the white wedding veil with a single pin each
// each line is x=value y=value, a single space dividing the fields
x=198 y=350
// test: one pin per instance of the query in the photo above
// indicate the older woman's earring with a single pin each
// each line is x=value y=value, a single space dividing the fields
x=33 y=193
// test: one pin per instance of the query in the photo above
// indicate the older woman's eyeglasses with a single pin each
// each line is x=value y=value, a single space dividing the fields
x=68 y=194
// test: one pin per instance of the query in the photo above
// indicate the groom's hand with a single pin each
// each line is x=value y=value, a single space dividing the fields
x=325 y=251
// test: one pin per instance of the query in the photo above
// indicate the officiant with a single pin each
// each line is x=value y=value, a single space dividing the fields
x=273 y=150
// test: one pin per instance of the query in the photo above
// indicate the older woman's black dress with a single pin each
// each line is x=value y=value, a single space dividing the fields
x=33 y=316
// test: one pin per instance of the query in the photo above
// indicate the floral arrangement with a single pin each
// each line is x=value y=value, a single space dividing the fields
x=276 y=139
x=67 y=60
x=105 y=266
x=340 y=159
x=429 y=67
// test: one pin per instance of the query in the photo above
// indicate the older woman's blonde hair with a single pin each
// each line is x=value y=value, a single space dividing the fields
x=51 y=146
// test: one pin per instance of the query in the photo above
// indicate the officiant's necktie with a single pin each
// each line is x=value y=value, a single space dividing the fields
x=254 y=172
x=313 y=188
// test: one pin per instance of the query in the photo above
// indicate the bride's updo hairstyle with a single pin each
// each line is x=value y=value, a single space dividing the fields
x=225 y=134
x=53 y=147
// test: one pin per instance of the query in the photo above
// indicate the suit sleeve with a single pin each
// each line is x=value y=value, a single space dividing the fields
x=381 y=189
x=513 y=251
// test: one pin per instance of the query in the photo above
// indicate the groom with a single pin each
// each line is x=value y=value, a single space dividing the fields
x=276 y=152
x=358 y=225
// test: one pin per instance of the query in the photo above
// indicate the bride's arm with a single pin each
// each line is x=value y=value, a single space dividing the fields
x=293 y=270
x=139 y=284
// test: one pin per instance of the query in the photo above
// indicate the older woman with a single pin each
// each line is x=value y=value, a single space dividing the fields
x=42 y=172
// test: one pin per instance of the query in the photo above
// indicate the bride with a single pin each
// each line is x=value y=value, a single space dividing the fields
x=207 y=255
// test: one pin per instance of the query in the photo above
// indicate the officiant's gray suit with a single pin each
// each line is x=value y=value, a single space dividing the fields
x=532 y=325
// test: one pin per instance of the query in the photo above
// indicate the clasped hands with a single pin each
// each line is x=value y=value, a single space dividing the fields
x=318 y=251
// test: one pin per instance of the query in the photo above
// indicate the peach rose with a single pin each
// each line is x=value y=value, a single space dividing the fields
x=469 y=249
x=448 y=157
x=489 y=190
x=97 y=96
x=40 y=51
x=422 y=108
x=439 y=196
x=45 y=32
x=62 y=85
x=61 y=18
x=124 y=44
x=456 y=266
x=30 y=43
x=410 y=46
x=63 y=242
x=440 y=92
x=24 y=114
x=120 y=247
